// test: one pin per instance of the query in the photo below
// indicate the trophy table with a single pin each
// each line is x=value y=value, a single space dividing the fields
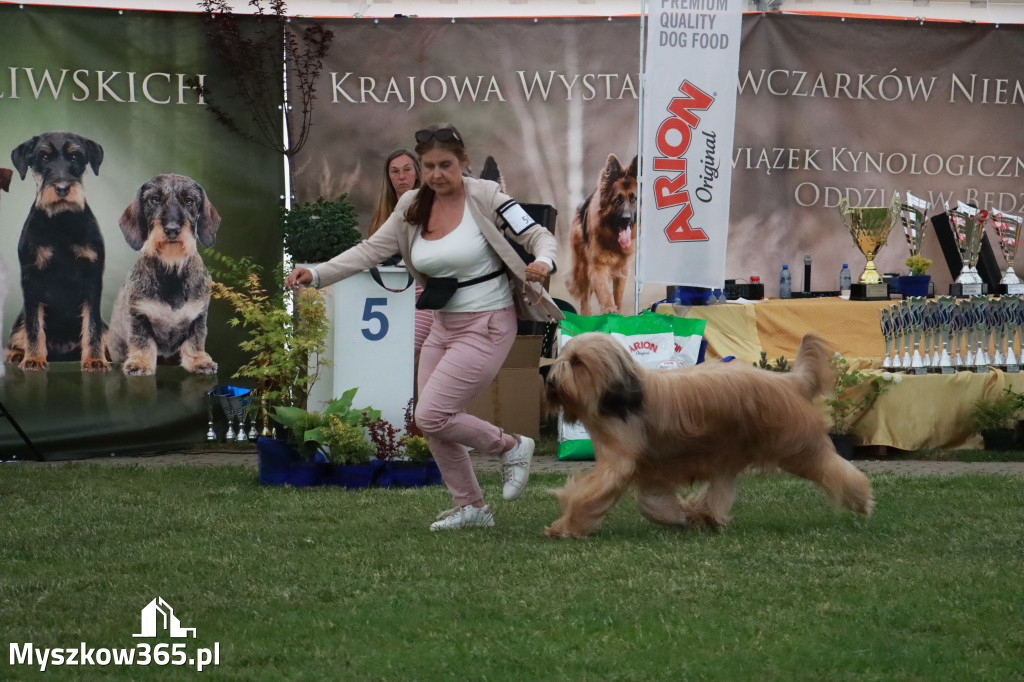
x=870 y=226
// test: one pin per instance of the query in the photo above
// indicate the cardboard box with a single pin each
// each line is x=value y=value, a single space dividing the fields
x=512 y=400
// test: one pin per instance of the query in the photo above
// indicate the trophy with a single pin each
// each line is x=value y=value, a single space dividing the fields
x=996 y=330
x=870 y=226
x=896 y=323
x=233 y=401
x=916 y=306
x=968 y=225
x=979 y=304
x=885 y=322
x=932 y=328
x=947 y=304
x=914 y=214
x=1008 y=230
x=907 y=325
x=1015 y=325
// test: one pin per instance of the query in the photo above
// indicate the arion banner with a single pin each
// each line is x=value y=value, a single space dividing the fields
x=689 y=112
x=97 y=101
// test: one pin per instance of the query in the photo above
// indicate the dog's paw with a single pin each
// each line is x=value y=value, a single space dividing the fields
x=199 y=363
x=34 y=363
x=95 y=365
x=559 y=530
x=138 y=369
x=203 y=368
x=14 y=356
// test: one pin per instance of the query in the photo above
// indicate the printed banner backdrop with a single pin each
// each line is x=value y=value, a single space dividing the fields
x=117 y=79
x=826 y=108
x=689 y=115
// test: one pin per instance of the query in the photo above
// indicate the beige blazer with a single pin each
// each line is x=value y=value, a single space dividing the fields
x=483 y=198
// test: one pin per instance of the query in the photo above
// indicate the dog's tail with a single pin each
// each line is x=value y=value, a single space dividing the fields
x=813 y=369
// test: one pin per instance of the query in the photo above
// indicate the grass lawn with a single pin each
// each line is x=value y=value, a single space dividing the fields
x=327 y=584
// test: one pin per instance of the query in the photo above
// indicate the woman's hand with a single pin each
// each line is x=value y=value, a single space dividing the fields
x=298 y=277
x=537 y=271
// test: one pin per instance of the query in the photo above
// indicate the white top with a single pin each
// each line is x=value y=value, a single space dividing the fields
x=464 y=254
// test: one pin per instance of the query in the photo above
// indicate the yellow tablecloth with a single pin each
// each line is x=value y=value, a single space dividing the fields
x=776 y=326
x=917 y=412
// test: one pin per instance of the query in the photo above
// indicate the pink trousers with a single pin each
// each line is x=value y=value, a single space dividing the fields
x=460 y=357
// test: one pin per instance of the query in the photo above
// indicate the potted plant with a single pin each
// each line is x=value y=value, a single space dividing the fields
x=994 y=418
x=406 y=455
x=287 y=333
x=337 y=436
x=916 y=283
x=318 y=231
x=853 y=394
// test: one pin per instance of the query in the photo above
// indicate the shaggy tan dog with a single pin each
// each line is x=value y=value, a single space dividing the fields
x=665 y=429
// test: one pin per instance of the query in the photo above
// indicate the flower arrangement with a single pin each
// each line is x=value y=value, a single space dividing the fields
x=918 y=264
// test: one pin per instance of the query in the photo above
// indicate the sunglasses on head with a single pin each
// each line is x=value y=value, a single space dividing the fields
x=441 y=135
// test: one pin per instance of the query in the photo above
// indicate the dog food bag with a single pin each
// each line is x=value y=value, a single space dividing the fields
x=655 y=341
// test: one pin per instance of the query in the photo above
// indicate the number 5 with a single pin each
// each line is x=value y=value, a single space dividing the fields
x=370 y=314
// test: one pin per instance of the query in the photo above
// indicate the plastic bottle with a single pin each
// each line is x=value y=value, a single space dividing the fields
x=785 y=283
x=844 y=281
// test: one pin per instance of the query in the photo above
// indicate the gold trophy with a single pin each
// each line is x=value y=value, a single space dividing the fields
x=1008 y=230
x=870 y=226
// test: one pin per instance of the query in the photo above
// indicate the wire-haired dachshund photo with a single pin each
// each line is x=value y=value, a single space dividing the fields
x=61 y=256
x=160 y=312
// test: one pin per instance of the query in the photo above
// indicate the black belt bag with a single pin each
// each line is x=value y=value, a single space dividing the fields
x=439 y=290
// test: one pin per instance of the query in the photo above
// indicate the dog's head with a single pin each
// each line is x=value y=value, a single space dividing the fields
x=166 y=217
x=617 y=188
x=58 y=162
x=593 y=378
x=5 y=179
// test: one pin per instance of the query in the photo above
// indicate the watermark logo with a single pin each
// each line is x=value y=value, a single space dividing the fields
x=159 y=613
x=157 y=620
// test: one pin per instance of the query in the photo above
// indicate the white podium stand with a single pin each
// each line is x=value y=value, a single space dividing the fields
x=373 y=343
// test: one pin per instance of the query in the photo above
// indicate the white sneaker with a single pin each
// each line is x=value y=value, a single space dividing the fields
x=515 y=468
x=464 y=517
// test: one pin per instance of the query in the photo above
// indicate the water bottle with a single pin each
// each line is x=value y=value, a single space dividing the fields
x=844 y=281
x=785 y=283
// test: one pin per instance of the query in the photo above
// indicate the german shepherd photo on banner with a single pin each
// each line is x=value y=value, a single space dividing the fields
x=603 y=239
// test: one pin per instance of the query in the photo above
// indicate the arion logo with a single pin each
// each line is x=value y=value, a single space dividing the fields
x=673 y=139
x=159 y=616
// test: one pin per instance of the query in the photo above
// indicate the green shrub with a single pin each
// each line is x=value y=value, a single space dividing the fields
x=318 y=231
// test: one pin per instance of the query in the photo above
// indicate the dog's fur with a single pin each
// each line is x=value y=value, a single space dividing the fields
x=61 y=255
x=161 y=310
x=603 y=239
x=5 y=185
x=666 y=429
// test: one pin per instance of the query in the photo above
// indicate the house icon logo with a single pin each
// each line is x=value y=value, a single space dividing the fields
x=158 y=615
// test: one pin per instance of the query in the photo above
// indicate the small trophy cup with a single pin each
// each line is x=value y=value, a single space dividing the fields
x=980 y=320
x=916 y=305
x=870 y=228
x=968 y=225
x=1011 y=309
x=996 y=330
x=907 y=325
x=233 y=401
x=896 y=321
x=1008 y=230
x=932 y=328
x=947 y=305
x=885 y=322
